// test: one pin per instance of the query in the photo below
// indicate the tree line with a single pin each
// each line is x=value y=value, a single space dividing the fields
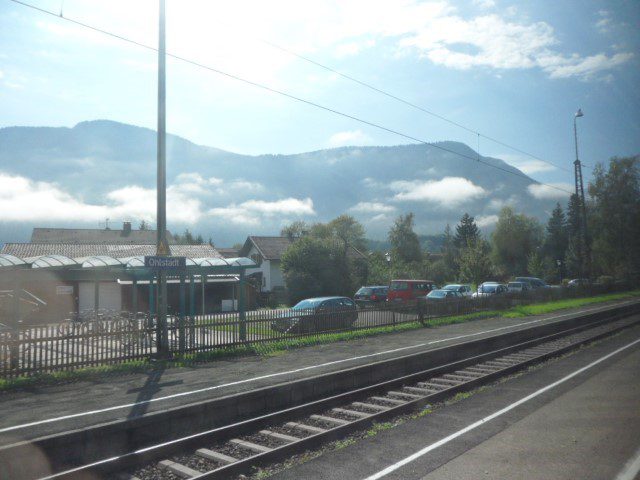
x=324 y=260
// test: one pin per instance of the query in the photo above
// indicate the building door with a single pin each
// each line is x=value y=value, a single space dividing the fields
x=110 y=296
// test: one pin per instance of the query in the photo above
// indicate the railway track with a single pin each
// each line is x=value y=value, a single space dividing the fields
x=231 y=450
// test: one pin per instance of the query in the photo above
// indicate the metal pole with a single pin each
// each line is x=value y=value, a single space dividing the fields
x=241 y=307
x=162 y=247
x=586 y=270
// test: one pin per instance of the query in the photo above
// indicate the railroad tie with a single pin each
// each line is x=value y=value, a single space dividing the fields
x=404 y=394
x=371 y=406
x=178 y=469
x=215 y=456
x=335 y=421
x=353 y=413
x=279 y=436
x=389 y=400
x=421 y=391
x=254 y=447
x=307 y=428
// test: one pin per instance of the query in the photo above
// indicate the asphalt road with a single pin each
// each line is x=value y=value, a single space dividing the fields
x=587 y=427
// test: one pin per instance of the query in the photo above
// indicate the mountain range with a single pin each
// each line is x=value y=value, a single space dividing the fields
x=102 y=169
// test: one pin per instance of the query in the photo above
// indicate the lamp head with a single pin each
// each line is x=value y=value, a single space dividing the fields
x=579 y=113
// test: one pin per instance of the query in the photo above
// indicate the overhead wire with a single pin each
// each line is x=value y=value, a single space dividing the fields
x=408 y=103
x=284 y=94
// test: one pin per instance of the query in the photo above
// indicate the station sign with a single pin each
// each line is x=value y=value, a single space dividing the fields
x=165 y=263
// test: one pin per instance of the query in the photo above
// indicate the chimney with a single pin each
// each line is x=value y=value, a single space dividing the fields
x=126 y=228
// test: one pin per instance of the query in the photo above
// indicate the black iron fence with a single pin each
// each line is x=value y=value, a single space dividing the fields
x=115 y=337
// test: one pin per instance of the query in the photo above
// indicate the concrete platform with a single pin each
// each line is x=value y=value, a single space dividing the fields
x=46 y=410
x=585 y=427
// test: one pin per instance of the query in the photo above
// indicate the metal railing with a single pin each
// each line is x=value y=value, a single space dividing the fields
x=107 y=337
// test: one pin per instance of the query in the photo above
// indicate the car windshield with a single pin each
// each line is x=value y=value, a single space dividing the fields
x=437 y=294
x=451 y=287
x=306 y=304
x=488 y=288
x=364 y=291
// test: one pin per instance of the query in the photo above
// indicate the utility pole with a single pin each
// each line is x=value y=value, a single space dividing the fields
x=586 y=261
x=162 y=247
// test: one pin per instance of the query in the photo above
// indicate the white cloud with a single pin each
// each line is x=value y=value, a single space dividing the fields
x=587 y=67
x=450 y=191
x=604 y=21
x=25 y=200
x=349 y=137
x=196 y=184
x=486 y=220
x=372 y=207
x=253 y=212
x=485 y=4
x=526 y=165
x=550 y=191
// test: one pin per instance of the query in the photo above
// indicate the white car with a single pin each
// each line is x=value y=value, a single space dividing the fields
x=464 y=290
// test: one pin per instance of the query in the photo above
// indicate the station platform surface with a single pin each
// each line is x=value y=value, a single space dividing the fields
x=575 y=417
x=44 y=410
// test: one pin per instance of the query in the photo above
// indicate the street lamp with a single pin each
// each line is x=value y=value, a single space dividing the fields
x=586 y=261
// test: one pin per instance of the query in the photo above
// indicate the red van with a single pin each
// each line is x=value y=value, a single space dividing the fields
x=409 y=290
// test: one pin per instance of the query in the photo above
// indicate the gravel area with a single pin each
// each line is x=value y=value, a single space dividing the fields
x=197 y=463
x=232 y=450
x=152 y=472
x=264 y=440
x=294 y=432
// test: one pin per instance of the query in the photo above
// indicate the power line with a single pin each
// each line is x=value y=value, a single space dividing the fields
x=408 y=103
x=285 y=94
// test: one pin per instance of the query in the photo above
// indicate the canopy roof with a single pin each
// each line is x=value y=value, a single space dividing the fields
x=132 y=265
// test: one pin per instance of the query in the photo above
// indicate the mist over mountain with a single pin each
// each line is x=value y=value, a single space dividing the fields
x=103 y=169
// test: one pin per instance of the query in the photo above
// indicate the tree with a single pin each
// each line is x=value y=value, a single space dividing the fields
x=309 y=268
x=405 y=246
x=349 y=232
x=144 y=225
x=557 y=239
x=466 y=231
x=379 y=271
x=450 y=253
x=475 y=263
x=297 y=229
x=516 y=236
x=615 y=218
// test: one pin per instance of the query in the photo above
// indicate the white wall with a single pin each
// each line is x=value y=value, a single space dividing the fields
x=110 y=296
x=275 y=274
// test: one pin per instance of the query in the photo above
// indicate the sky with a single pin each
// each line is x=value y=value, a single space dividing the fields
x=512 y=71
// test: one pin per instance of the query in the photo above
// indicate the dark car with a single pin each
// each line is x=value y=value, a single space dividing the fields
x=316 y=315
x=367 y=296
x=533 y=282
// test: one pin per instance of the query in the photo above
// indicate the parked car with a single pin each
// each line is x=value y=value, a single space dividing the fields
x=487 y=289
x=317 y=314
x=518 y=287
x=367 y=296
x=409 y=290
x=579 y=282
x=437 y=295
x=533 y=281
x=464 y=290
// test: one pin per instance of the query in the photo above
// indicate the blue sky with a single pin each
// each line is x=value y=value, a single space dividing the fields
x=515 y=71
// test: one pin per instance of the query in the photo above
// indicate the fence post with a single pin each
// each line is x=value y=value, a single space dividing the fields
x=15 y=330
x=181 y=332
x=241 y=308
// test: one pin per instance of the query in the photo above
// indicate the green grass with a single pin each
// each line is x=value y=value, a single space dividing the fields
x=276 y=348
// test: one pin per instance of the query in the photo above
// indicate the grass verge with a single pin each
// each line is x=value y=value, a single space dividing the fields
x=278 y=347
